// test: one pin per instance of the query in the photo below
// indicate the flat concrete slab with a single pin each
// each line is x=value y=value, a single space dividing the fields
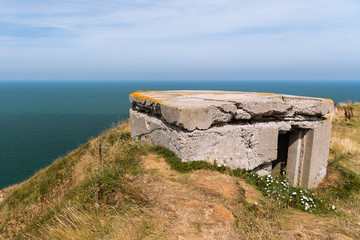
x=192 y=110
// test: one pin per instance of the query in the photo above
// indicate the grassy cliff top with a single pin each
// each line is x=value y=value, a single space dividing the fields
x=113 y=187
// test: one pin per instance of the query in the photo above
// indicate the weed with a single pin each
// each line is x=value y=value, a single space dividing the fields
x=123 y=135
x=109 y=187
x=284 y=195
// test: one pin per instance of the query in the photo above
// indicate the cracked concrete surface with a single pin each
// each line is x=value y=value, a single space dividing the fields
x=202 y=109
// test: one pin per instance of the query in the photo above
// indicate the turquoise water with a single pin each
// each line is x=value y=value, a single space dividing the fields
x=41 y=121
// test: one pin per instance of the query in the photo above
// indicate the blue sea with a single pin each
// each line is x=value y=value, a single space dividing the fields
x=42 y=121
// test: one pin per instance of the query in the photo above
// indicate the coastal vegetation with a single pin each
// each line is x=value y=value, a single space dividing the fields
x=115 y=187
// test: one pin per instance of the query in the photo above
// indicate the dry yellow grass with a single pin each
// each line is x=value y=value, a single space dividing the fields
x=344 y=145
x=156 y=202
x=86 y=166
x=75 y=224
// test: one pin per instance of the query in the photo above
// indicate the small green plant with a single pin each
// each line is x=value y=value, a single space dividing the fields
x=105 y=146
x=109 y=187
x=123 y=135
x=279 y=190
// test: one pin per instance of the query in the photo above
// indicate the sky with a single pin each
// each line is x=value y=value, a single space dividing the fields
x=179 y=40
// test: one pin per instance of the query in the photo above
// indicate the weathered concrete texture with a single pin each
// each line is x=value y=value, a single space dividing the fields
x=308 y=155
x=239 y=145
x=201 y=109
x=237 y=129
x=319 y=154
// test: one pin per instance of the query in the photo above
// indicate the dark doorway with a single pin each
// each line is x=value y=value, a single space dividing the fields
x=279 y=165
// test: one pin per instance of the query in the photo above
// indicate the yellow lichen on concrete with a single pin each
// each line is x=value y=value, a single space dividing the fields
x=331 y=102
x=265 y=94
x=139 y=95
x=142 y=94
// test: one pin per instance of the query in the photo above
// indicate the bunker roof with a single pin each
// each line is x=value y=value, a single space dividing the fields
x=193 y=110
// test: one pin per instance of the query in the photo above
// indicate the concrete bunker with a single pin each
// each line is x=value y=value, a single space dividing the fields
x=266 y=133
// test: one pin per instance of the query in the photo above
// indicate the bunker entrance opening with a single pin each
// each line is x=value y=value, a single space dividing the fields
x=279 y=165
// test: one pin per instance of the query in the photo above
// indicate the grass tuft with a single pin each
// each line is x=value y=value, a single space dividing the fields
x=346 y=183
x=184 y=167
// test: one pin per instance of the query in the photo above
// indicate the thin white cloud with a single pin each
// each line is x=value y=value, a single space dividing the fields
x=128 y=39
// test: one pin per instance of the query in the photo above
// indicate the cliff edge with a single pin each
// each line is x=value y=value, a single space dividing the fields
x=115 y=187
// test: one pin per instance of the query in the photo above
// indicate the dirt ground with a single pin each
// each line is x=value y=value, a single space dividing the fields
x=212 y=205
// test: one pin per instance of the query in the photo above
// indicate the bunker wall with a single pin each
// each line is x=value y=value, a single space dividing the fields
x=308 y=155
x=250 y=146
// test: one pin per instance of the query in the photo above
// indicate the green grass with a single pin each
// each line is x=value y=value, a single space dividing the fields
x=184 y=167
x=110 y=187
x=104 y=188
x=347 y=184
x=41 y=185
